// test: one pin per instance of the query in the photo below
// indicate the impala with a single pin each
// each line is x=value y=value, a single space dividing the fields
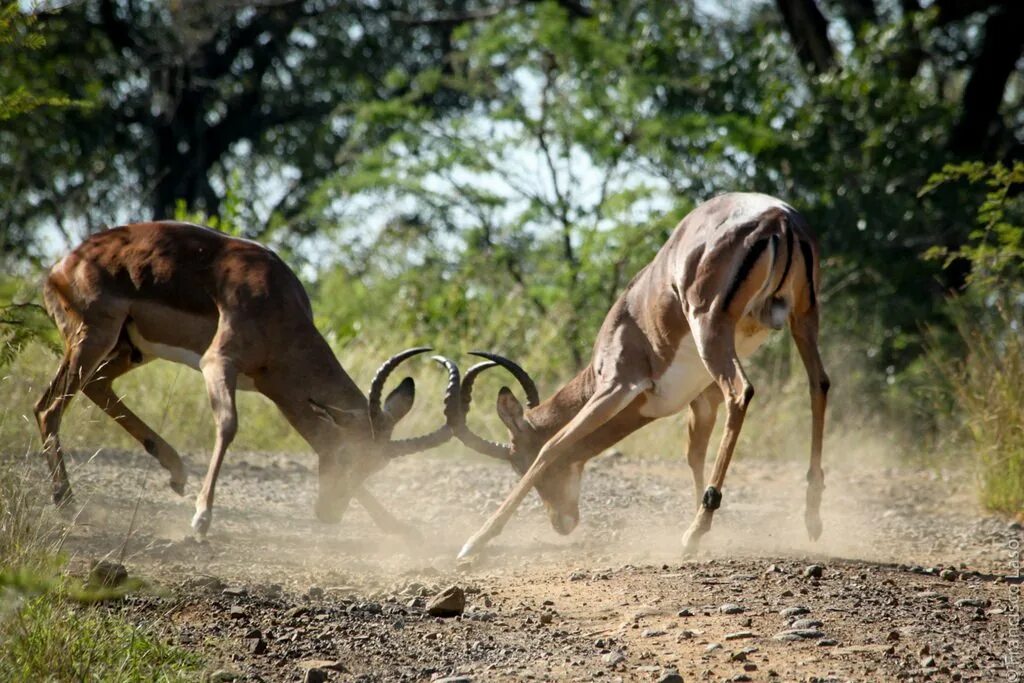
x=737 y=267
x=233 y=310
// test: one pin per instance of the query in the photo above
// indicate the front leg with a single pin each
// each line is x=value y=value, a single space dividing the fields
x=703 y=411
x=605 y=404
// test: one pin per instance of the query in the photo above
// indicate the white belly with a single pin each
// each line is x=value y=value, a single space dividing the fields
x=175 y=354
x=683 y=381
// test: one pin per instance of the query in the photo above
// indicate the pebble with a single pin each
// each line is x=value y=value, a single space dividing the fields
x=671 y=677
x=107 y=574
x=794 y=611
x=315 y=675
x=448 y=603
x=806 y=623
x=684 y=613
x=256 y=645
x=740 y=635
x=652 y=633
x=712 y=647
x=614 y=657
x=799 y=634
x=453 y=679
x=730 y=608
x=828 y=642
x=224 y=675
x=237 y=612
x=813 y=571
x=971 y=602
x=949 y=574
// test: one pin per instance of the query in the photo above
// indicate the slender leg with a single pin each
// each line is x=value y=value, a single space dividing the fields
x=281 y=390
x=602 y=406
x=703 y=411
x=384 y=519
x=221 y=377
x=805 y=334
x=81 y=358
x=717 y=347
x=101 y=391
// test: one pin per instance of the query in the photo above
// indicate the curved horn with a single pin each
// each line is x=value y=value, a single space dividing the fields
x=501 y=451
x=399 y=447
x=523 y=377
x=381 y=376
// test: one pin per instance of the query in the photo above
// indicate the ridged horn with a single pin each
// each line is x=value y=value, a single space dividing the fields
x=452 y=410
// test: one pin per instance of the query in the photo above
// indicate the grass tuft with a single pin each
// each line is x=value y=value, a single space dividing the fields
x=987 y=384
x=53 y=627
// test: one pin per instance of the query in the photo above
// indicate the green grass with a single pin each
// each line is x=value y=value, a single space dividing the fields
x=50 y=637
x=987 y=386
x=52 y=626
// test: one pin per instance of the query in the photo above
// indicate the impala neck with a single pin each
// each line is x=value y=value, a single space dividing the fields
x=322 y=379
x=554 y=413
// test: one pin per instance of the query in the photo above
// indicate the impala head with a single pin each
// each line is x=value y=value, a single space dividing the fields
x=363 y=435
x=559 y=485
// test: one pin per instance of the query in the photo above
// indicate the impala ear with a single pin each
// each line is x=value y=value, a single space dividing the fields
x=337 y=416
x=510 y=410
x=399 y=402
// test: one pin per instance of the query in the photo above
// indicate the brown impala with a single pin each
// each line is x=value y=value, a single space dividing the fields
x=233 y=310
x=737 y=267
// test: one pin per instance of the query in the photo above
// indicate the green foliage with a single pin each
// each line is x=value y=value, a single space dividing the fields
x=53 y=627
x=46 y=637
x=22 y=322
x=19 y=35
x=21 y=325
x=995 y=248
x=984 y=370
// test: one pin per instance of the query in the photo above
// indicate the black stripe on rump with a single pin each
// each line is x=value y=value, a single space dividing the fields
x=789 y=253
x=755 y=251
x=805 y=248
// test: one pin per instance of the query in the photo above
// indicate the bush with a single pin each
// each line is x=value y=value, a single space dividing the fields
x=985 y=376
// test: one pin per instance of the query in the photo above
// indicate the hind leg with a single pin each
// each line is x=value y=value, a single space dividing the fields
x=805 y=334
x=221 y=379
x=83 y=355
x=716 y=343
x=101 y=391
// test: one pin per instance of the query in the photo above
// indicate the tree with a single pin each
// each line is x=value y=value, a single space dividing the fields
x=192 y=97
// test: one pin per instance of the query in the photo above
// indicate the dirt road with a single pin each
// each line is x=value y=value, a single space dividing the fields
x=910 y=583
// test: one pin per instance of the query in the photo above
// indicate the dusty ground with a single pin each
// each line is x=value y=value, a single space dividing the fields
x=273 y=588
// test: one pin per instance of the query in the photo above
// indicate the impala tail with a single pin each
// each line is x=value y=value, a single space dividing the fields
x=772 y=304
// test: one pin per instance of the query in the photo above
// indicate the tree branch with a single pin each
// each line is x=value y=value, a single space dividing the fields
x=1001 y=48
x=808 y=30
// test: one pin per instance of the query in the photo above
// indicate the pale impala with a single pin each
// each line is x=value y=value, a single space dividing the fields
x=737 y=267
x=233 y=310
